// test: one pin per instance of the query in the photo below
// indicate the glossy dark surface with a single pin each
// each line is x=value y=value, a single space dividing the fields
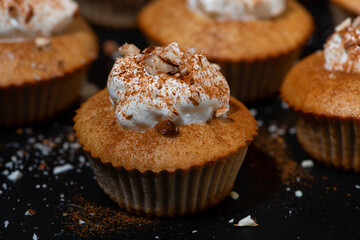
x=70 y=205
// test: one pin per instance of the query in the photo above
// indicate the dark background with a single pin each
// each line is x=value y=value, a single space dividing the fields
x=72 y=206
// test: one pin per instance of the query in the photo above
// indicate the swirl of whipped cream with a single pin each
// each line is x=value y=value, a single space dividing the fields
x=342 y=49
x=242 y=10
x=165 y=83
x=24 y=18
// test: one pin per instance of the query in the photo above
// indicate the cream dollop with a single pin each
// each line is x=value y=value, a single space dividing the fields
x=166 y=83
x=342 y=49
x=24 y=18
x=238 y=9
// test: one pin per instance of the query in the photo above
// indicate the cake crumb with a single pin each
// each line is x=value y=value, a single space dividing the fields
x=234 y=195
x=194 y=231
x=14 y=176
x=231 y=220
x=357 y=186
x=81 y=222
x=6 y=223
x=42 y=42
x=30 y=212
x=307 y=163
x=62 y=169
x=247 y=222
x=298 y=193
x=35 y=237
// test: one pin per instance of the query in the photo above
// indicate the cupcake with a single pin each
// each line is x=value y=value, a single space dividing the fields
x=45 y=51
x=165 y=139
x=255 y=42
x=343 y=9
x=324 y=90
x=112 y=13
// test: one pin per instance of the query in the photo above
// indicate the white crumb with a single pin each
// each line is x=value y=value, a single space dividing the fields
x=298 y=193
x=292 y=130
x=194 y=231
x=63 y=168
x=253 y=112
x=81 y=222
x=14 y=176
x=246 y=222
x=357 y=186
x=234 y=195
x=272 y=128
x=307 y=163
x=288 y=189
x=260 y=122
x=284 y=105
x=231 y=220
x=35 y=237
x=5 y=172
x=6 y=223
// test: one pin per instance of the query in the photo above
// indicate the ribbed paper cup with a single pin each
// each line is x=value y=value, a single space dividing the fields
x=339 y=14
x=169 y=194
x=112 y=13
x=36 y=102
x=335 y=142
x=257 y=80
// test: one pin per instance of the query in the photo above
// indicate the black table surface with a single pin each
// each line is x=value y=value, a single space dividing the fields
x=70 y=205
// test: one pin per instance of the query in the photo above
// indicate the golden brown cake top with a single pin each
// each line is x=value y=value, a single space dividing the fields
x=42 y=59
x=311 y=88
x=352 y=6
x=165 y=21
x=101 y=135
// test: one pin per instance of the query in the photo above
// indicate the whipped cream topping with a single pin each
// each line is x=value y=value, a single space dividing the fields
x=342 y=49
x=237 y=9
x=166 y=83
x=24 y=18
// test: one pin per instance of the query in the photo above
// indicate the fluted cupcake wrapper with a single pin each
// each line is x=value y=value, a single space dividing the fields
x=251 y=81
x=339 y=15
x=169 y=194
x=112 y=13
x=36 y=102
x=335 y=142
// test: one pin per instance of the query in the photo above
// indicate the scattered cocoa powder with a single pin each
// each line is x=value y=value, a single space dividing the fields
x=100 y=220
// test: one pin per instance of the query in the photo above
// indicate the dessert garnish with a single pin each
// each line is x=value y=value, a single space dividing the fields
x=166 y=84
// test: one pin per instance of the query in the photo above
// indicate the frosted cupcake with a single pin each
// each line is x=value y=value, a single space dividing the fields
x=324 y=89
x=165 y=139
x=112 y=13
x=45 y=51
x=343 y=9
x=255 y=42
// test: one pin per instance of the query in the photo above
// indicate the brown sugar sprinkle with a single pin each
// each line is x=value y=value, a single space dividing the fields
x=110 y=47
x=167 y=128
x=100 y=220
x=30 y=212
x=71 y=137
x=42 y=166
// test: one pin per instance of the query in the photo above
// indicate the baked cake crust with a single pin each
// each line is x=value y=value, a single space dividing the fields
x=165 y=21
x=22 y=62
x=312 y=89
x=99 y=132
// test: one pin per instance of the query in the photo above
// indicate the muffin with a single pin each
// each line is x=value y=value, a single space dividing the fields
x=45 y=51
x=254 y=42
x=324 y=90
x=343 y=9
x=165 y=139
x=112 y=13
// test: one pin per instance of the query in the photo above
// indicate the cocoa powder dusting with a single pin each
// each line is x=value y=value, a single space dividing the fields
x=97 y=220
x=275 y=145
